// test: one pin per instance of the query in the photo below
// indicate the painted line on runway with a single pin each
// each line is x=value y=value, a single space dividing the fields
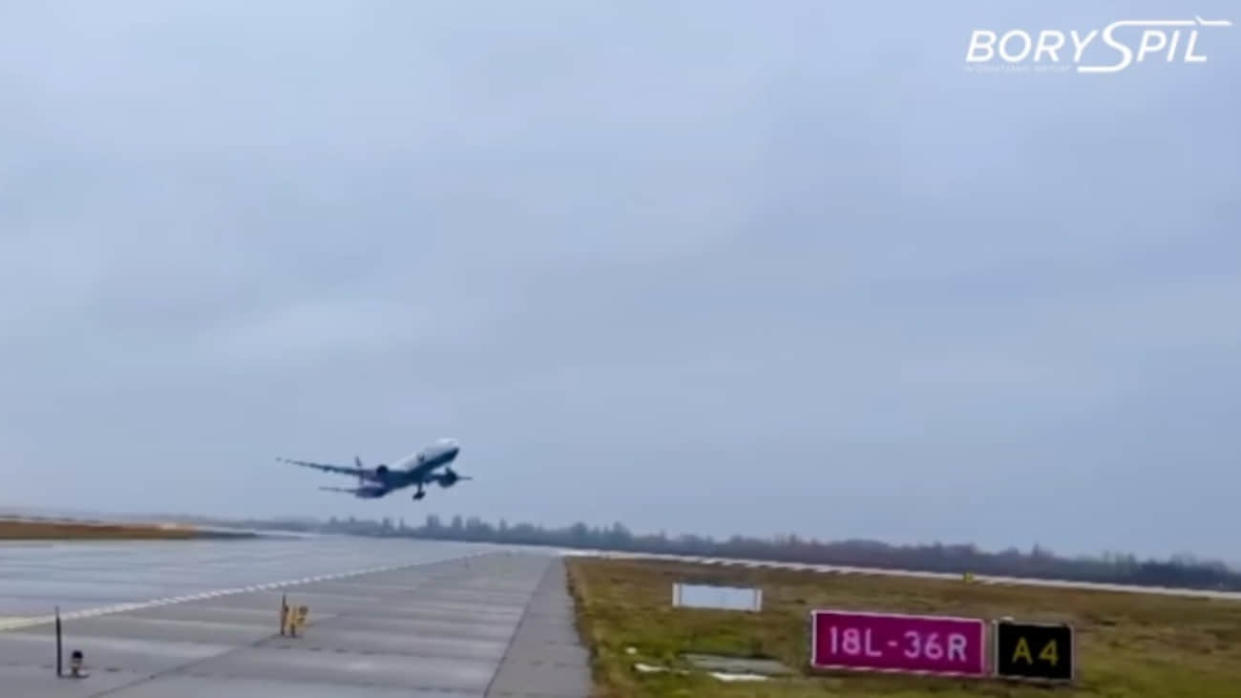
x=16 y=623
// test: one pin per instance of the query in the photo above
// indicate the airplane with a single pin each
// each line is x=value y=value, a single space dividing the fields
x=416 y=470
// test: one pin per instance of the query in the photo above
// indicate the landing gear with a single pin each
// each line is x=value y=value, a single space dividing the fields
x=419 y=494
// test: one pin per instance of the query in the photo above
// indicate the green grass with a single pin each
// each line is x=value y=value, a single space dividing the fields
x=1129 y=645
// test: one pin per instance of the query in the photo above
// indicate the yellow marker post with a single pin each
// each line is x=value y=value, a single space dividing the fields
x=297 y=619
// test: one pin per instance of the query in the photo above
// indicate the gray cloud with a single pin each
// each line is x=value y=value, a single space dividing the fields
x=694 y=266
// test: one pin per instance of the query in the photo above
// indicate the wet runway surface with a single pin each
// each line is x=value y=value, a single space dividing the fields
x=386 y=618
x=36 y=576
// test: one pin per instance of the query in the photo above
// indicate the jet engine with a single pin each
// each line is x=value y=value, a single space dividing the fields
x=449 y=478
x=381 y=472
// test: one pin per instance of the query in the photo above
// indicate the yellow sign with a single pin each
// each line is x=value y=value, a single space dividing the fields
x=1040 y=651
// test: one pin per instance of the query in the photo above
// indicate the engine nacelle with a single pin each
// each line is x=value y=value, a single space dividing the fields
x=381 y=472
x=448 y=479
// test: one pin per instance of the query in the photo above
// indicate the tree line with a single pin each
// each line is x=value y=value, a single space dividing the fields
x=1179 y=571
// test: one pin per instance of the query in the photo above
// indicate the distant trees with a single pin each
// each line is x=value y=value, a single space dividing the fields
x=1178 y=571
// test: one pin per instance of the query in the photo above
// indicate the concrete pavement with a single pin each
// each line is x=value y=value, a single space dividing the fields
x=469 y=622
x=546 y=656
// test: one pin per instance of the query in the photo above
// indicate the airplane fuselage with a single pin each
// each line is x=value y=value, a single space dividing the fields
x=418 y=467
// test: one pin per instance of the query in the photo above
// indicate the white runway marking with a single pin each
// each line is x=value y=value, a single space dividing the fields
x=14 y=623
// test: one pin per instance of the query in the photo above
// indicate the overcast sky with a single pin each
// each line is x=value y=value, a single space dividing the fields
x=713 y=267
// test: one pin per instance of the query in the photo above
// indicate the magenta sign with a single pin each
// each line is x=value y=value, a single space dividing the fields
x=897 y=643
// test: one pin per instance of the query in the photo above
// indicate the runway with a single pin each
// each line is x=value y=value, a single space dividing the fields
x=200 y=618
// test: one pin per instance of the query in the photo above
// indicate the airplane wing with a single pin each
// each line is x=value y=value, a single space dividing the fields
x=328 y=468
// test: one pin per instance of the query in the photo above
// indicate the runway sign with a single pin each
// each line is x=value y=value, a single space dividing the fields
x=724 y=598
x=890 y=642
x=1034 y=651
